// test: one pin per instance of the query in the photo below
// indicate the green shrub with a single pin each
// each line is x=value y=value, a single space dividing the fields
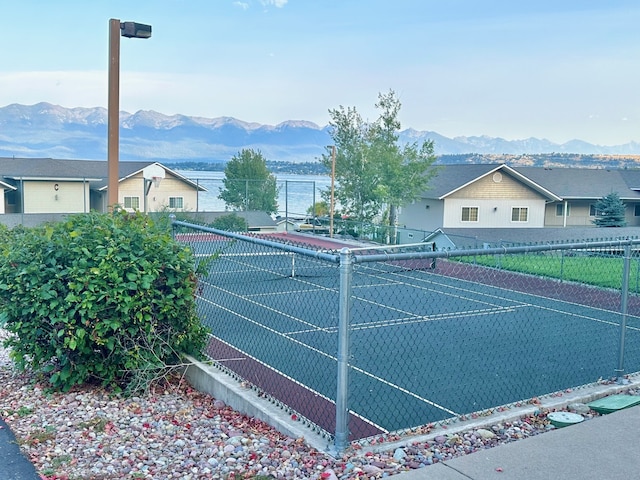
x=231 y=222
x=99 y=297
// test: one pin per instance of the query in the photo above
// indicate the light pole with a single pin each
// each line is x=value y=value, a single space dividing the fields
x=116 y=29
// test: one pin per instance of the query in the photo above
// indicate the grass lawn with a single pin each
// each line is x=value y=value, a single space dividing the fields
x=602 y=270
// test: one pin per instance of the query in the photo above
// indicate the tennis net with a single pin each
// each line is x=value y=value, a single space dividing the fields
x=264 y=266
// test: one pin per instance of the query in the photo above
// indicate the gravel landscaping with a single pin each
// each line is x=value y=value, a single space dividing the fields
x=176 y=432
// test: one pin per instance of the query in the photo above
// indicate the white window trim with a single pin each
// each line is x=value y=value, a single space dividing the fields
x=477 y=210
x=176 y=198
x=563 y=208
x=131 y=197
x=520 y=209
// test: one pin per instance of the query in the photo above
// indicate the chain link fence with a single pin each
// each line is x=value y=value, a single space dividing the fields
x=363 y=342
x=294 y=198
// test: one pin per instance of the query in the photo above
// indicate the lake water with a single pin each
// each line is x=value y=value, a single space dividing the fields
x=296 y=193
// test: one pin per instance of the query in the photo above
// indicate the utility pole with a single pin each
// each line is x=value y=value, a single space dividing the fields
x=333 y=179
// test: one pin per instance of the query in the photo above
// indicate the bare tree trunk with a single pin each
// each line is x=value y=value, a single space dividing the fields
x=393 y=224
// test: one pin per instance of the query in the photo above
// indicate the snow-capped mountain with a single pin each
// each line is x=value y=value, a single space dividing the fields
x=45 y=130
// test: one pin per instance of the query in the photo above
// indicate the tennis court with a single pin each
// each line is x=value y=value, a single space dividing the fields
x=424 y=345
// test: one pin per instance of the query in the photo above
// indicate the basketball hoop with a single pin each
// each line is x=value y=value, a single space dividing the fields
x=152 y=175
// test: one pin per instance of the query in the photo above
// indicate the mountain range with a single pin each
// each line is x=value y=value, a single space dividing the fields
x=46 y=130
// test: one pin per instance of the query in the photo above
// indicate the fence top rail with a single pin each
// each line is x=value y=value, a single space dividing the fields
x=386 y=257
x=318 y=254
x=391 y=247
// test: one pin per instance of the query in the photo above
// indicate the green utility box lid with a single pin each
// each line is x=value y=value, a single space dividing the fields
x=564 y=419
x=614 y=403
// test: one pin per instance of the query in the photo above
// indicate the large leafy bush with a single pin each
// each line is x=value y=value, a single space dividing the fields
x=99 y=297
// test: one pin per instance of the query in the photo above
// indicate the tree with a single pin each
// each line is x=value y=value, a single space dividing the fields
x=319 y=209
x=248 y=184
x=374 y=174
x=231 y=223
x=610 y=211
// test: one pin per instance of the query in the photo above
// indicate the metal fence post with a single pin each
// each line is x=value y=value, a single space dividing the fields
x=172 y=219
x=344 y=314
x=623 y=309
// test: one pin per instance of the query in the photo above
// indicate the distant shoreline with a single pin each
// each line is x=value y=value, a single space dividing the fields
x=548 y=160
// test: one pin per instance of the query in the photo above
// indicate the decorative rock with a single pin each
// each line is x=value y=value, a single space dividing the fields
x=579 y=408
x=371 y=470
x=179 y=433
x=485 y=433
x=399 y=454
x=328 y=474
x=440 y=439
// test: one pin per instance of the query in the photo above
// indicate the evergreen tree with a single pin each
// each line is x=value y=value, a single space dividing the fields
x=610 y=211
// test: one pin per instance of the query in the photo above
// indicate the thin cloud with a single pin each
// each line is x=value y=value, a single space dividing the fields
x=274 y=3
x=242 y=5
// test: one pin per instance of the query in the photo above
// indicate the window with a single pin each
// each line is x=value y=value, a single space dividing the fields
x=469 y=214
x=560 y=209
x=636 y=211
x=593 y=211
x=519 y=214
x=176 y=202
x=132 y=202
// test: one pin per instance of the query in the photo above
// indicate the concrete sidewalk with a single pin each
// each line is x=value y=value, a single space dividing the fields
x=601 y=448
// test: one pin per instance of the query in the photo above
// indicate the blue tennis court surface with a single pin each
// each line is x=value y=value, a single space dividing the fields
x=424 y=346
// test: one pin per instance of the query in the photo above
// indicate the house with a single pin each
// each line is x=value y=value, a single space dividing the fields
x=7 y=191
x=476 y=196
x=53 y=186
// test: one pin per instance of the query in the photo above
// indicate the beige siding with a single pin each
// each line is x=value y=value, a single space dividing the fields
x=55 y=197
x=632 y=219
x=495 y=196
x=159 y=197
x=486 y=187
x=579 y=215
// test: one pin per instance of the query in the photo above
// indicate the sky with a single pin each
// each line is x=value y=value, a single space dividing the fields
x=559 y=70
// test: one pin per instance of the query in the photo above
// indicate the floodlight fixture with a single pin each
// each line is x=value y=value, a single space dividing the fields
x=135 y=30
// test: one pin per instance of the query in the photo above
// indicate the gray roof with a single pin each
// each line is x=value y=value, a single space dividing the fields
x=588 y=183
x=497 y=237
x=632 y=177
x=93 y=171
x=253 y=218
x=450 y=178
x=555 y=183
